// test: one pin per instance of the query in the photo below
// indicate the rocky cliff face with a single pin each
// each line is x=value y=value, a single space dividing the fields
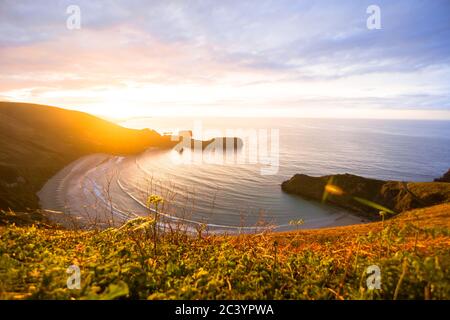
x=368 y=196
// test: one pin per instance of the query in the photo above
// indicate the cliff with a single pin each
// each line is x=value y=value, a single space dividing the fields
x=368 y=196
x=444 y=178
x=36 y=141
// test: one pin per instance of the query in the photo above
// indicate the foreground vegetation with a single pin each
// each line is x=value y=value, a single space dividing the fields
x=135 y=262
x=411 y=250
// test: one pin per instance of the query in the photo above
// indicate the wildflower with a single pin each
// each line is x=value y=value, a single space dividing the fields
x=297 y=222
x=154 y=200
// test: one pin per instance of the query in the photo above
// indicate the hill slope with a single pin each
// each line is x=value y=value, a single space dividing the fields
x=411 y=251
x=36 y=141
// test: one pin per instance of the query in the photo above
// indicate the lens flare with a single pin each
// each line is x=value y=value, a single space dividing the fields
x=333 y=189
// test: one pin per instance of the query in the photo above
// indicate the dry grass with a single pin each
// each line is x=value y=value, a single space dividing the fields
x=412 y=251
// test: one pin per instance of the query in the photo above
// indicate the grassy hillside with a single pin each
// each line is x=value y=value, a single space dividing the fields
x=132 y=262
x=36 y=141
x=411 y=250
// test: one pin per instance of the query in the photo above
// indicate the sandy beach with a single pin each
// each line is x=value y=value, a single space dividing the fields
x=67 y=201
x=92 y=192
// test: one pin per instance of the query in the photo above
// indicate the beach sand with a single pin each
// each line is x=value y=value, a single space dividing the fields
x=76 y=197
x=66 y=201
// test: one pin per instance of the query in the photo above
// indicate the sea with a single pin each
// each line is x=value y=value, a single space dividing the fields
x=242 y=189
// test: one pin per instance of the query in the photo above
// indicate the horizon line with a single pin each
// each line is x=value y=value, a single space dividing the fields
x=436 y=114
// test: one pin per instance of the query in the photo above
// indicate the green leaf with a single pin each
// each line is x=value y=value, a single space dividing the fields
x=114 y=291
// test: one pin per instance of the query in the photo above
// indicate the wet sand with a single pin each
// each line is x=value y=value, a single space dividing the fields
x=66 y=201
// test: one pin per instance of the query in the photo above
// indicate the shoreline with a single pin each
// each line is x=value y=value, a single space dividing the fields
x=53 y=195
x=67 y=200
x=69 y=186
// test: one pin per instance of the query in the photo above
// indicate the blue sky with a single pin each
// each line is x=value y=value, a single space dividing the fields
x=249 y=58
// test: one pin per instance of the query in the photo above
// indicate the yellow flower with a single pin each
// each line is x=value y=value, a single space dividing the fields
x=154 y=200
x=200 y=273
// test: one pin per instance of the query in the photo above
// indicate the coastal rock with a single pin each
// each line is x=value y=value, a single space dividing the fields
x=444 y=178
x=368 y=196
x=224 y=143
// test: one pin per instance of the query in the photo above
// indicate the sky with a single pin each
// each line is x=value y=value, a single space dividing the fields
x=229 y=58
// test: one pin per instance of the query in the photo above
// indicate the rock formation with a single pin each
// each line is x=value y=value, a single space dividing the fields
x=444 y=178
x=368 y=196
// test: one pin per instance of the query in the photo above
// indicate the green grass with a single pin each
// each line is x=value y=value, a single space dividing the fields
x=412 y=252
x=133 y=262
